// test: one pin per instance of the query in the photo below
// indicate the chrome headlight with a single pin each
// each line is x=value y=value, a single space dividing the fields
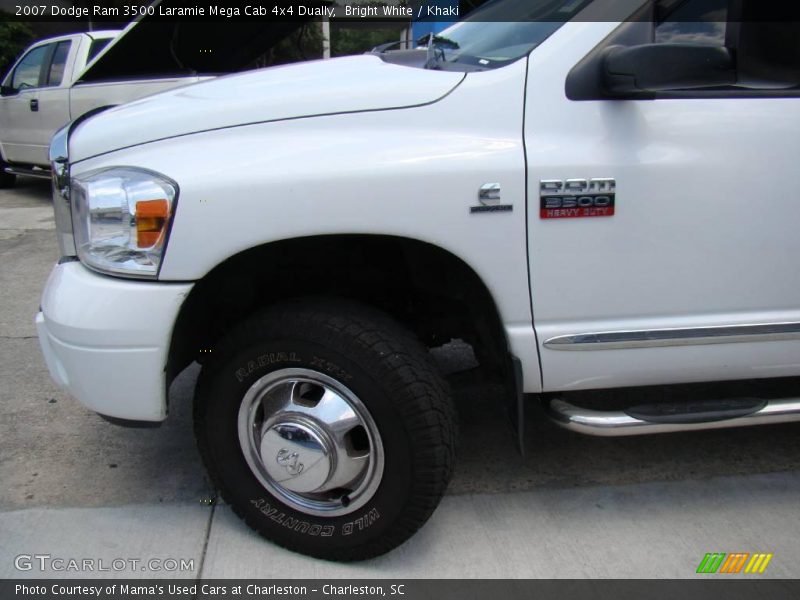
x=121 y=219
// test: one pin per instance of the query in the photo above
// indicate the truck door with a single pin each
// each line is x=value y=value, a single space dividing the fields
x=663 y=226
x=53 y=98
x=19 y=106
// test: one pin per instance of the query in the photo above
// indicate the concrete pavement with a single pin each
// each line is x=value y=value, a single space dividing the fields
x=650 y=530
x=74 y=486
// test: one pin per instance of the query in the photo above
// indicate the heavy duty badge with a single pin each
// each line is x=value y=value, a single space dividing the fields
x=574 y=198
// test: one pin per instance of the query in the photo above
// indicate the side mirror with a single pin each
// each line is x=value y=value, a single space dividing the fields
x=663 y=67
x=7 y=90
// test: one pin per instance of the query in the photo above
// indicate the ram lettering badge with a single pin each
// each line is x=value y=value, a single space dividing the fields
x=575 y=198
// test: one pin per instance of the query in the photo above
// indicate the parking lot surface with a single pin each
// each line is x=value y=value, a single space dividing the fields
x=75 y=486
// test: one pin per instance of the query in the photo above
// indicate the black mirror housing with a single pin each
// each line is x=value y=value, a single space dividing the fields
x=664 y=67
x=7 y=90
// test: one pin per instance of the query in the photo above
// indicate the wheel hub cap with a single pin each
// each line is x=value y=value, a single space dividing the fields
x=297 y=456
x=310 y=441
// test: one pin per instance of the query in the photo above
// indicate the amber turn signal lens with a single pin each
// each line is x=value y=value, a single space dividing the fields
x=151 y=221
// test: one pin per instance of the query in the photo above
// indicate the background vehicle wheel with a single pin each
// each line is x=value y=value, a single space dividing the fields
x=326 y=427
x=6 y=179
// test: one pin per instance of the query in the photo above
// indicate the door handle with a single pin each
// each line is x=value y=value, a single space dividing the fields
x=34 y=105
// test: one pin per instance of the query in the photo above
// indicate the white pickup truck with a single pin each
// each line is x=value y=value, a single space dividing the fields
x=35 y=96
x=43 y=91
x=591 y=203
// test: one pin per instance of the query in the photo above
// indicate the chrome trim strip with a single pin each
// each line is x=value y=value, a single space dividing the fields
x=59 y=166
x=618 y=423
x=689 y=336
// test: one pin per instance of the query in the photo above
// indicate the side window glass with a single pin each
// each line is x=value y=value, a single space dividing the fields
x=58 y=63
x=27 y=73
x=96 y=47
x=699 y=22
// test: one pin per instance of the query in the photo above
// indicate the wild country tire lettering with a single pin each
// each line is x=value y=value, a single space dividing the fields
x=313 y=529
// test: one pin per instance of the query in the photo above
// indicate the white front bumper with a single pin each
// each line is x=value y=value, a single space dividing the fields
x=106 y=340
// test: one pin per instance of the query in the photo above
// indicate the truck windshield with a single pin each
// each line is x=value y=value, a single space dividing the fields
x=498 y=33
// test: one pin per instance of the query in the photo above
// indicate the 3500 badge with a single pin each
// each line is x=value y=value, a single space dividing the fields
x=575 y=198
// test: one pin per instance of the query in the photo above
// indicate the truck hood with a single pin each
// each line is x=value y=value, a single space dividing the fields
x=350 y=84
x=153 y=46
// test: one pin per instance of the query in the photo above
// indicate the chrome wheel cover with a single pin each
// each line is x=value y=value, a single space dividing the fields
x=311 y=442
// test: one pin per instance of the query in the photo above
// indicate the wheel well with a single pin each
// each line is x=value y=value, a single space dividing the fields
x=426 y=288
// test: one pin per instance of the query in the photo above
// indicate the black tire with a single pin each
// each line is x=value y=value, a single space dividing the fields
x=7 y=180
x=394 y=378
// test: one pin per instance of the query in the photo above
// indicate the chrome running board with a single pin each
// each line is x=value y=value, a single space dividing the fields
x=671 y=417
x=38 y=173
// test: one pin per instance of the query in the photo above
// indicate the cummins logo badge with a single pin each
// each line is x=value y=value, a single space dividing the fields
x=575 y=198
x=489 y=198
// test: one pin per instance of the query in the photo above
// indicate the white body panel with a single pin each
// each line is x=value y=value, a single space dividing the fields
x=18 y=126
x=106 y=339
x=54 y=110
x=705 y=230
x=412 y=173
x=351 y=84
x=88 y=96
